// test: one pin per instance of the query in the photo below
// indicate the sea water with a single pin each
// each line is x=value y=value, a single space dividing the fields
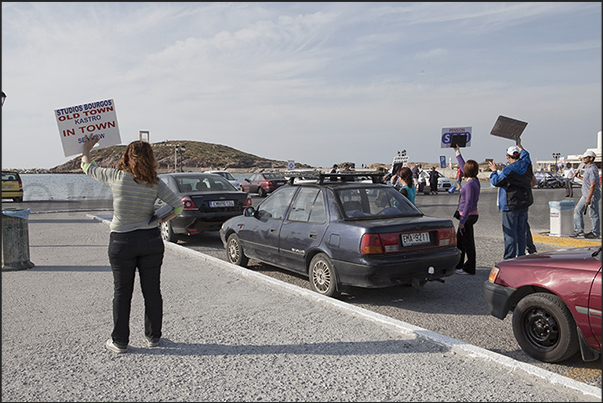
x=70 y=187
x=63 y=187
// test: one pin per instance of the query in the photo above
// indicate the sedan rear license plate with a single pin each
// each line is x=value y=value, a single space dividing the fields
x=222 y=203
x=419 y=238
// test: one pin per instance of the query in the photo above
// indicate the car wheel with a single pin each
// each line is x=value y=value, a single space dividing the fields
x=261 y=192
x=234 y=251
x=544 y=328
x=322 y=276
x=167 y=234
x=18 y=199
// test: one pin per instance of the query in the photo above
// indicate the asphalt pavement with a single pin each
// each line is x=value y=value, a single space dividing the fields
x=230 y=334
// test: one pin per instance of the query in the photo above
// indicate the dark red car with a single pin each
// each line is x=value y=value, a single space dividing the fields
x=556 y=302
x=263 y=183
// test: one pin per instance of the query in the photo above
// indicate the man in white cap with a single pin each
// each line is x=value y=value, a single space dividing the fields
x=591 y=195
x=514 y=198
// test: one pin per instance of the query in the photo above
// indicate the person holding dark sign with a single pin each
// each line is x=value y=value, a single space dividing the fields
x=468 y=214
x=133 y=242
x=514 y=197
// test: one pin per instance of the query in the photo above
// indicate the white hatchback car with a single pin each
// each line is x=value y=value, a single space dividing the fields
x=443 y=182
x=228 y=176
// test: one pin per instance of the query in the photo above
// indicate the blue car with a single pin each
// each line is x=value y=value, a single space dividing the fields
x=340 y=232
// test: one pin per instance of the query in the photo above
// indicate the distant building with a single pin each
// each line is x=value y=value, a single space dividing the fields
x=574 y=159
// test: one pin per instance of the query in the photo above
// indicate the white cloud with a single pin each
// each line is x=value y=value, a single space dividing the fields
x=315 y=82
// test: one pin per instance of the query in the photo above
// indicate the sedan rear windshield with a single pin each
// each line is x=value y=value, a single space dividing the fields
x=10 y=176
x=375 y=202
x=203 y=184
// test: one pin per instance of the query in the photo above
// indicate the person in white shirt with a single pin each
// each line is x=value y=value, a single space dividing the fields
x=568 y=175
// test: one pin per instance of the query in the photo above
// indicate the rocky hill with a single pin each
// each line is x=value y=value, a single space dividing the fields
x=198 y=156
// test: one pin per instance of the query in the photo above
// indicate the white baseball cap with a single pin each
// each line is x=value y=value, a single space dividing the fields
x=589 y=153
x=513 y=150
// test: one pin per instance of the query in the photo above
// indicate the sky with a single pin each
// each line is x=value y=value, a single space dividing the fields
x=317 y=83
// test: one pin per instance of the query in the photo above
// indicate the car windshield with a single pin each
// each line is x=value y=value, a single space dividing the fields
x=375 y=202
x=203 y=184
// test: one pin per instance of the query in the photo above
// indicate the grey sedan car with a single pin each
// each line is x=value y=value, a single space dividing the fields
x=209 y=200
x=342 y=233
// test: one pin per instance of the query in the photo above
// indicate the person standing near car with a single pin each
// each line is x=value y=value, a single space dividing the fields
x=407 y=187
x=531 y=248
x=591 y=196
x=468 y=214
x=133 y=242
x=459 y=177
x=568 y=175
x=433 y=181
x=514 y=197
x=415 y=175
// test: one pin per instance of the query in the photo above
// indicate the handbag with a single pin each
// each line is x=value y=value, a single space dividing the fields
x=456 y=214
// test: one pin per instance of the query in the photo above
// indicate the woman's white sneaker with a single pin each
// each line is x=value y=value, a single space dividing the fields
x=111 y=346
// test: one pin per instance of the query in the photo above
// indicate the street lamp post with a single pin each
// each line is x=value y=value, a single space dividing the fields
x=178 y=149
x=556 y=155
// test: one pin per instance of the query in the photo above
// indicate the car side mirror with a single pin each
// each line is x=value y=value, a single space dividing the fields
x=249 y=212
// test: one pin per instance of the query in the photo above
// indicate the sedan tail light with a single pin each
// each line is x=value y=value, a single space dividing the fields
x=188 y=203
x=248 y=201
x=370 y=244
x=446 y=236
x=390 y=242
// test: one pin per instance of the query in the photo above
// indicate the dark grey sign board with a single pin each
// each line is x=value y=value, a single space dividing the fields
x=458 y=140
x=508 y=128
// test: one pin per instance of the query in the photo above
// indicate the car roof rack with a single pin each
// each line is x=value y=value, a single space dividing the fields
x=376 y=176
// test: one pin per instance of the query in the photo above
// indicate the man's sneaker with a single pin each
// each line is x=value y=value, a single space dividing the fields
x=152 y=342
x=576 y=234
x=111 y=346
x=461 y=271
x=590 y=235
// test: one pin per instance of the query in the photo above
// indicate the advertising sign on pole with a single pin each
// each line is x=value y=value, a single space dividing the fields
x=91 y=119
x=461 y=136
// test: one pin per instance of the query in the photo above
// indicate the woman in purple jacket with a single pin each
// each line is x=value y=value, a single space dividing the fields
x=467 y=208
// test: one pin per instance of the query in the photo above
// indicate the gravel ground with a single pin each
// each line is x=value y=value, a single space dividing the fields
x=228 y=337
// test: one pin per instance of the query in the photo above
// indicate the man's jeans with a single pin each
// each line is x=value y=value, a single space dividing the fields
x=514 y=231
x=142 y=249
x=593 y=212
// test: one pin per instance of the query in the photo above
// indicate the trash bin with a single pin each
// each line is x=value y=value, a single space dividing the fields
x=562 y=217
x=15 y=240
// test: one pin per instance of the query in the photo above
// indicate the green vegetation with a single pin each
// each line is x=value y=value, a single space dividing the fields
x=197 y=156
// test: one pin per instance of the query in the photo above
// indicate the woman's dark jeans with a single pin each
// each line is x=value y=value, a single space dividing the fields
x=465 y=241
x=142 y=249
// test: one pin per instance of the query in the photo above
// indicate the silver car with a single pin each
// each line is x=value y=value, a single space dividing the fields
x=443 y=182
x=228 y=176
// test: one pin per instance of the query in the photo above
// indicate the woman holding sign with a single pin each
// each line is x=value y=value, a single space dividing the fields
x=134 y=243
x=468 y=215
